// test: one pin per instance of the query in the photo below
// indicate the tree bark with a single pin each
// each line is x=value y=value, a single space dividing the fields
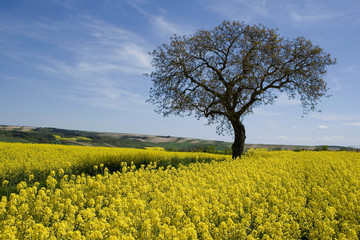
x=239 y=139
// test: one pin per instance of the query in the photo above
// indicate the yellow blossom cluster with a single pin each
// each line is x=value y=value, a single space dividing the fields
x=264 y=195
x=155 y=148
x=19 y=161
x=58 y=137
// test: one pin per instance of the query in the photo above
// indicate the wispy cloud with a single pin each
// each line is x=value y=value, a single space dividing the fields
x=111 y=48
x=284 y=100
x=97 y=62
x=334 y=83
x=331 y=139
x=247 y=10
x=334 y=117
x=354 y=124
x=307 y=17
x=159 y=23
x=303 y=139
x=261 y=112
x=283 y=137
x=352 y=68
x=323 y=127
x=298 y=12
x=166 y=28
x=308 y=11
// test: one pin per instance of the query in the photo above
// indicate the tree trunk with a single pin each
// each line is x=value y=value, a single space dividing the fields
x=239 y=139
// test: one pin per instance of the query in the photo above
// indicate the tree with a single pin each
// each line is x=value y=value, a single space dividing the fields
x=224 y=73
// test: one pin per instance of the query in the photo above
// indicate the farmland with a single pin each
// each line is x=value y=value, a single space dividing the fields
x=19 y=161
x=74 y=192
x=24 y=134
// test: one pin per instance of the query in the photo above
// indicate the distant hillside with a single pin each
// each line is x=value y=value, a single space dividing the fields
x=106 y=139
x=26 y=134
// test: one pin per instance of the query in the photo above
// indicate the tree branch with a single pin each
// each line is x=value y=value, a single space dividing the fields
x=217 y=71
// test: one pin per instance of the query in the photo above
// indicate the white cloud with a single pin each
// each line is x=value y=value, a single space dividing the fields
x=352 y=68
x=323 y=127
x=96 y=62
x=356 y=124
x=332 y=139
x=300 y=12
x=166 y=28
x=247 y=10
x=309 y=12
x=303 y=139
x=284 y=100
x=306 y=17
x=113 y=49
x=334 y=117
x=160 y=24
x=261 y=112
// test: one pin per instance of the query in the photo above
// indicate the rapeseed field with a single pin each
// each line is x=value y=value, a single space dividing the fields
x=19 y=161
x=263 y=195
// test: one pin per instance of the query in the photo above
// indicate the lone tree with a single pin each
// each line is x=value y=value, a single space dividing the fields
x=223 y=73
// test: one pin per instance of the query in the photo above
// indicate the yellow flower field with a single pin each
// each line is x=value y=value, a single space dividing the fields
x=264 y=195
x=18 y=161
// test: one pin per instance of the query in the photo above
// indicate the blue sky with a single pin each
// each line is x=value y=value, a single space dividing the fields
x=79 y=64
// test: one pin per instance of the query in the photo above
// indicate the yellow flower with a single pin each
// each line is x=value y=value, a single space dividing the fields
x=5 y=183
x=31 y=177
x=61 y=172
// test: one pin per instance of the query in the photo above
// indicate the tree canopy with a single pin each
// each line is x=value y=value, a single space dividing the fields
x=224 y=73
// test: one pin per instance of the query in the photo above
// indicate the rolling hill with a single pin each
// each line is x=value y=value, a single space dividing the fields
x=28 y=134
